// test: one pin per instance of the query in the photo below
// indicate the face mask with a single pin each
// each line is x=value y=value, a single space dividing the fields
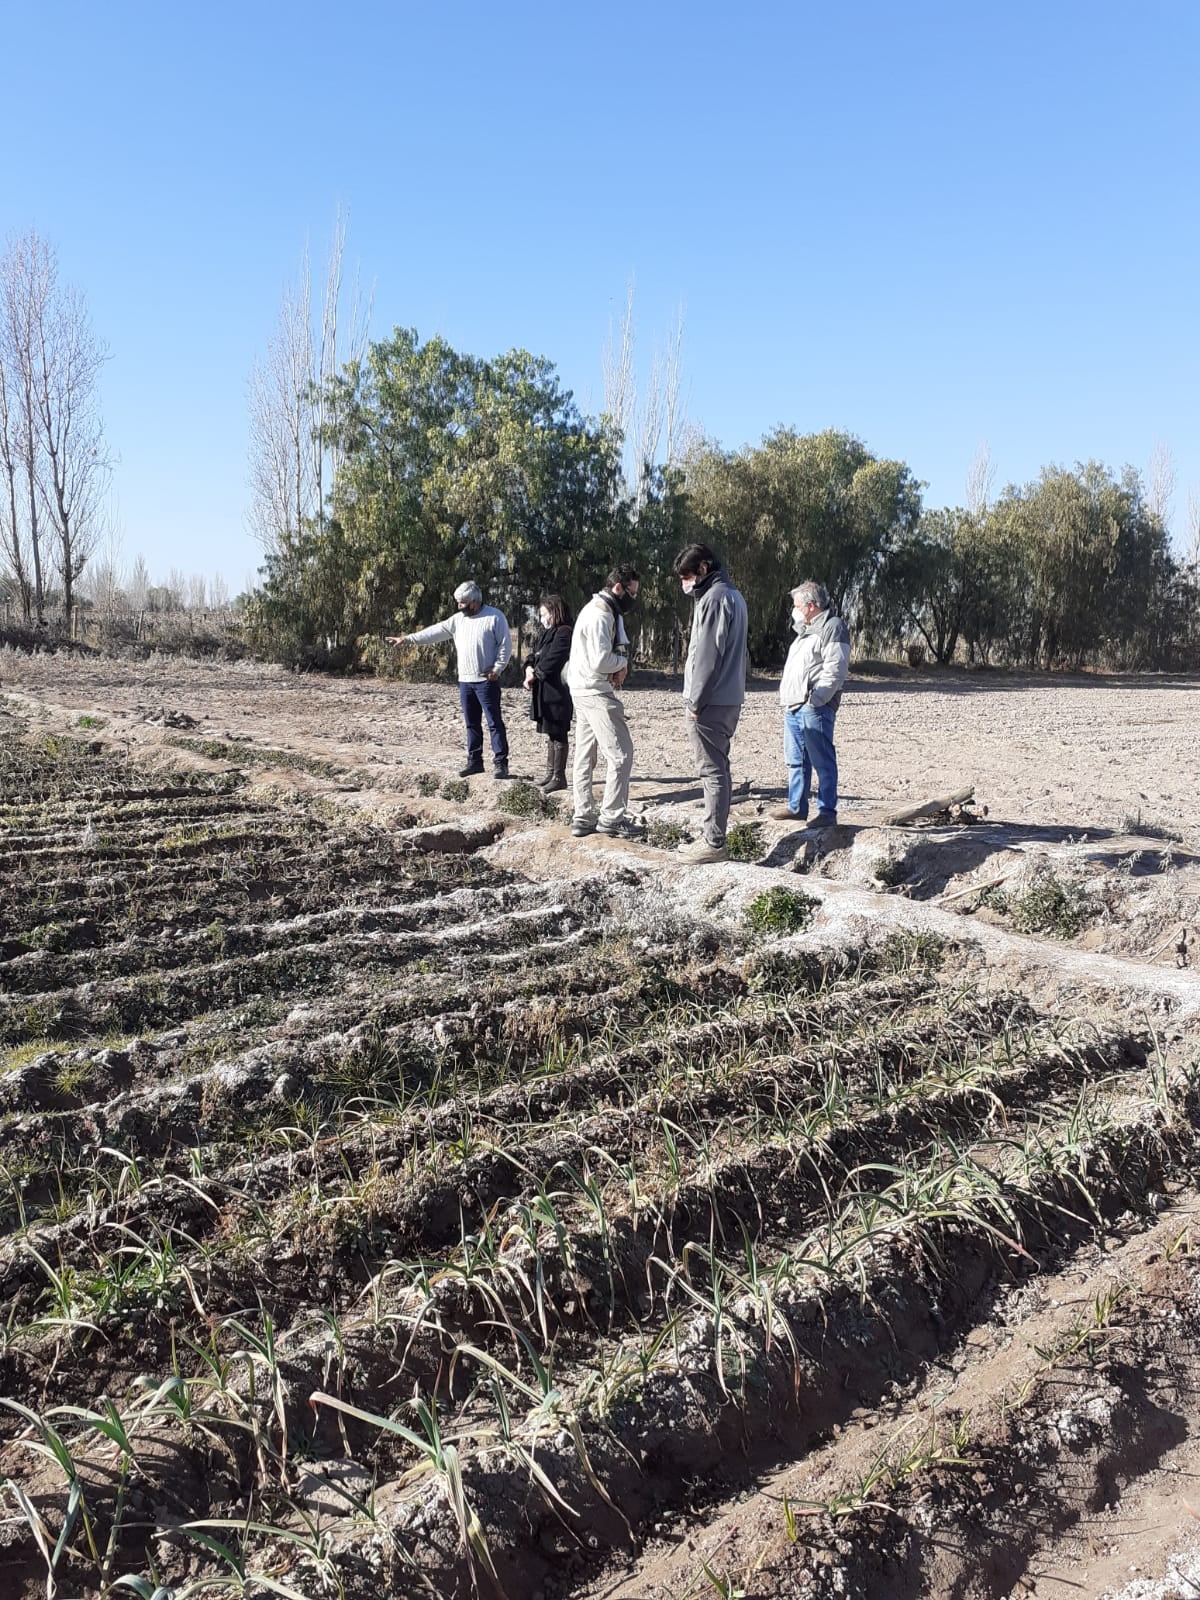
x=798 y=617
x=625 y=603
x=545 y=620
x=688 y=584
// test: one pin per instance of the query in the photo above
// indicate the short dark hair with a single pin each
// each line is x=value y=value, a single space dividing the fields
x=560 y=611
x=623 y=574
x=690 y=558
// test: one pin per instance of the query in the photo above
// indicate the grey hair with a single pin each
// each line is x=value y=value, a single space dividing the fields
x=469 y=591
x=816 y=593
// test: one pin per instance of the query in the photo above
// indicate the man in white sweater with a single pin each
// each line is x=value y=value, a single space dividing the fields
x=597 y=668
x=484 y=644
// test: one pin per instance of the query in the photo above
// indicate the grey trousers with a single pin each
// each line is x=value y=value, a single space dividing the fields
x=711 y=733
x=601 y=730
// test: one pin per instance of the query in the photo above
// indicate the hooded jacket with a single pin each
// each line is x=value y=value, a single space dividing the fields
x=599 y=647
x=715 y=672
x=818 y=664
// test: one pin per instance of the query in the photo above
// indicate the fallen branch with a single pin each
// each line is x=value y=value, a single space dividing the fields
x=973 y=888
x=930 y=808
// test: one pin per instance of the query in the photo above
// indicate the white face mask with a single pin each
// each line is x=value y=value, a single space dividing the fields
x=545 y=617
x=799 y=618
x=688 y=584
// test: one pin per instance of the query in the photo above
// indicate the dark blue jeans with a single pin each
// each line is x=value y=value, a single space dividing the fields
x=808 y=747
x=479 y=700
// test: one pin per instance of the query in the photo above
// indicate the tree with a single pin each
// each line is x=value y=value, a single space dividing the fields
x=802 y=506
x=448 y=465
x=52 y=426
x=293 y=453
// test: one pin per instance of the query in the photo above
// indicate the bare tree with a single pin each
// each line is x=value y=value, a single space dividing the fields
x=673 y=401
x=981 y=475
x=218 y=592
x=138 y=587
x=14 y=543
x=54 y=360
x=1161 y=473
x=291 y=465
x=24 y=300
x=642 y=424
x=1193 y=530
x=620 y=389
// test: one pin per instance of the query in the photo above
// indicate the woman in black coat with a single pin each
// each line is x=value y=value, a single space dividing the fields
x=550 y=704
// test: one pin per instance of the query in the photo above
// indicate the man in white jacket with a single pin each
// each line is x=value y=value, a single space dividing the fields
x=483 y=644
x=597 y=668
x=810 y=692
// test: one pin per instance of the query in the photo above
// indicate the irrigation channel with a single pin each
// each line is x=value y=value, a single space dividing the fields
x=384 y=1223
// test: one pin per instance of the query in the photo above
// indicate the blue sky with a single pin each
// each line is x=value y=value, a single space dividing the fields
x=931 y=224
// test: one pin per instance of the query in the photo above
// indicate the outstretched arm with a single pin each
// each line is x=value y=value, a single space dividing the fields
x=436 y=633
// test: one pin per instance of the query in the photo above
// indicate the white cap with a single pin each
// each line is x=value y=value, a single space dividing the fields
x=468 y=591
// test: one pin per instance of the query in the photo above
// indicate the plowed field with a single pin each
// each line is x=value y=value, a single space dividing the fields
x=379 y=1221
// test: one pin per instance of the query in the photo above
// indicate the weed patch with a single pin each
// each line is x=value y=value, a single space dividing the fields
x=1061 y=907
x=456 y=789
x=781 y=910
x=745 y=841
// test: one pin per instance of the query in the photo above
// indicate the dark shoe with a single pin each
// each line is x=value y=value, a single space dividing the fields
x=582 y=826
x=823 y=820
x=500 y=770
x=785 y=814
x=556 y=770
x=471 y=770
x=624 y=829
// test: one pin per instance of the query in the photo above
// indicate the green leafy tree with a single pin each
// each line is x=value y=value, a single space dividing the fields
x=798 y=506
x=449 y=466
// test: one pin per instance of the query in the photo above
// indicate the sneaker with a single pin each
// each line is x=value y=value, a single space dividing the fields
x=623 y=829
x=700 y=850
x=582 y=826
x=822 y=820
x=500 y=770
x=471 y=770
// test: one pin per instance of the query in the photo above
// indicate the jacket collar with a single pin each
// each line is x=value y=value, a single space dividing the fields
x=707 y=581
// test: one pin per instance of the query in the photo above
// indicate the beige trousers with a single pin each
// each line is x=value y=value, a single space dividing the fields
x=601 y=730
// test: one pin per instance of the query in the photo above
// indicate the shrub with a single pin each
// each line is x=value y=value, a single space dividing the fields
x=427 y=784
x=665 y=835
x=1061 y=907
x=455 y=789
x=781 y=911
x=523 y=799
x=745 y=841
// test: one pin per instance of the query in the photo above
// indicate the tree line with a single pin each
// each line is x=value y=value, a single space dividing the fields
x=446 y=464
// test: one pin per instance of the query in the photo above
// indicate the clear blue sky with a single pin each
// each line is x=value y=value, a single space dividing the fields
x=930 y=224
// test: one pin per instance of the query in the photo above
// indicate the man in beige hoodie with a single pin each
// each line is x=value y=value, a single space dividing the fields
x=598 y=666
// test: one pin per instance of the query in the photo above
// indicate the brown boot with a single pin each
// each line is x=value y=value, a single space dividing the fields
x=556 y=777
x=547 y=777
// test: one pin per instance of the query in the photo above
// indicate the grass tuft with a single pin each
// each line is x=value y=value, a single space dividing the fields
x=455 y=789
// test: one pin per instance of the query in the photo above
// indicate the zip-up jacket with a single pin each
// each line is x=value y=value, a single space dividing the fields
x=715 y=671
x=483 y=642
x=599 y=647
x=818 y=664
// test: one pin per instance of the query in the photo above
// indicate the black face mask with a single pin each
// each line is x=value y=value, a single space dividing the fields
x=625 y=603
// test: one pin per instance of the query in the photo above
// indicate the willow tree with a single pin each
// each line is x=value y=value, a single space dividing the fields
x=801 y=506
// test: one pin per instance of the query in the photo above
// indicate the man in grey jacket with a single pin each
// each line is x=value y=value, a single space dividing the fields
x=810 y=692
x=714 y=688
x=483 y=645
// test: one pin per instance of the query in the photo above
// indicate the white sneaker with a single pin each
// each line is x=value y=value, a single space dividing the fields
x=700 y=851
